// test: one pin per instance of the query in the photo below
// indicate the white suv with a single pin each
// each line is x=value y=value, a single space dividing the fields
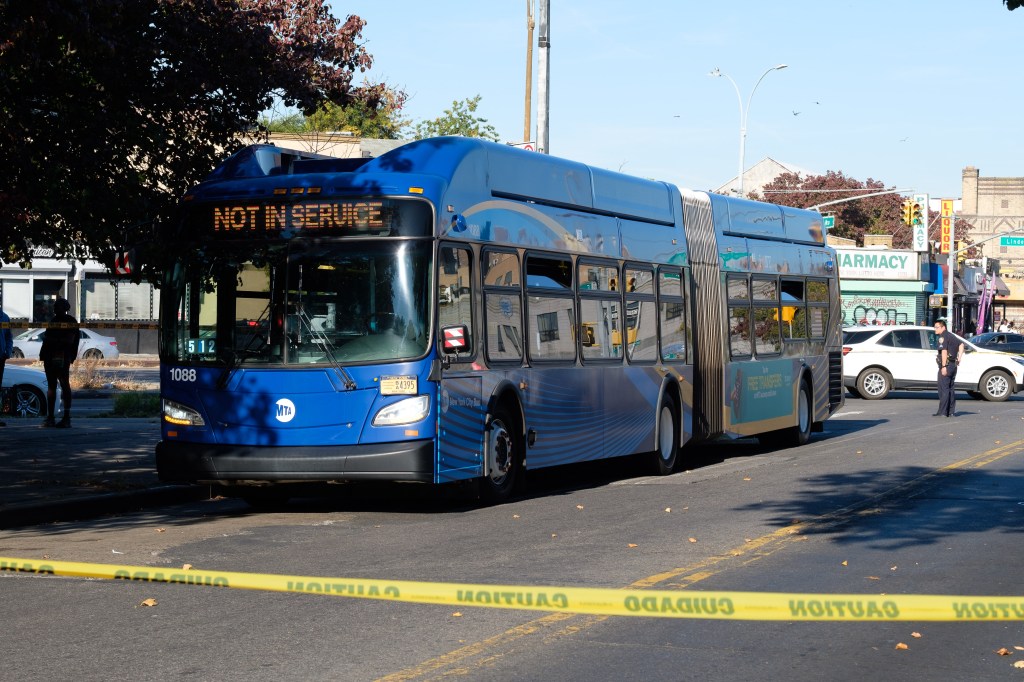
x=877 y=360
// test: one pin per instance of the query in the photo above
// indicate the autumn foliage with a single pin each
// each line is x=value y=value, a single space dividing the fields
x=868 y=215
x=112 y=108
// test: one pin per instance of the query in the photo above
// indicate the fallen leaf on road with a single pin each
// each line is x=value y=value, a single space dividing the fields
x=148 y=602
x=668 y=510
x=901 y=646
x=457 y=614
x=161 y=530
x=1018 y=648
x=1004 y=652
x=631 y=545
x=579 y=506
x=846 y=563
x=554 y=535
x=746 y=478
x=114 y=551
x=860 y=452
x=515 y=516
x=186 y=567
x=1019 y=664
x=893 y=568
x=916 y=634
x=693 y=539
x=873 y=577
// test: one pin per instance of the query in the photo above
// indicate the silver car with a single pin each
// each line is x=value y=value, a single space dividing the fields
x=24 y=392
x=91 y=345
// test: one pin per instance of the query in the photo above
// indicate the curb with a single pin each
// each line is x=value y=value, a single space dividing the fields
x=84 y=507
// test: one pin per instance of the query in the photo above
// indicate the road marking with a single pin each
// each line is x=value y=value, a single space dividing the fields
x=511 y=640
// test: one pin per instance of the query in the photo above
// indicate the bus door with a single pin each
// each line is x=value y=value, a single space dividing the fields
x=461 y=409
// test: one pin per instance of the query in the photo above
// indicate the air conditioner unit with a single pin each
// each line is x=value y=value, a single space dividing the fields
x=979 y=278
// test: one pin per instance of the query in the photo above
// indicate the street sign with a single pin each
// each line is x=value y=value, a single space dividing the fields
x=1011 y=241
x=828 y=222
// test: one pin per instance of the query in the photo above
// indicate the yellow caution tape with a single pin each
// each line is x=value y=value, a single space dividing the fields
x=87 y=324
x=600 y=601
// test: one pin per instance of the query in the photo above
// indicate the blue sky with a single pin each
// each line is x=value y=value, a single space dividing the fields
x=905 y=92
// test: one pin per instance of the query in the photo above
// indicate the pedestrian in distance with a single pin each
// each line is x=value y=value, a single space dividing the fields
x=6 y=346
x=59 y=350
x=950 y=351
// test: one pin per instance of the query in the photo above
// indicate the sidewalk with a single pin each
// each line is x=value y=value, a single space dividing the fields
x=99 y=466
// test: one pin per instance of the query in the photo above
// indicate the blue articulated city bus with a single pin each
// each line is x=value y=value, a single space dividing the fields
x=457 y=309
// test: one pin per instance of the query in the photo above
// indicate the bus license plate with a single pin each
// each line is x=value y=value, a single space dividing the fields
x=398 y=386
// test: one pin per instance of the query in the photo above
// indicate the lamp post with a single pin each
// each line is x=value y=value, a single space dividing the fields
x=743 y=115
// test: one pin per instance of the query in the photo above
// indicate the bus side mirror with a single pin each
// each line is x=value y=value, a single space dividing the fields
x=455 y=339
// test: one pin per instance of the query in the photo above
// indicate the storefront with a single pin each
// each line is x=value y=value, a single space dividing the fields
x=28 y=294
x=883 y=287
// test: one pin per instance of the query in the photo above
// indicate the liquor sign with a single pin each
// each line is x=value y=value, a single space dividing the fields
x=946 y=223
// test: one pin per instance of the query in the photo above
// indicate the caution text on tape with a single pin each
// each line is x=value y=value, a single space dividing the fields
x=589 y=600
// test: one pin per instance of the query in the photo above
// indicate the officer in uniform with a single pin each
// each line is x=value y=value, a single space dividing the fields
x=950 y=351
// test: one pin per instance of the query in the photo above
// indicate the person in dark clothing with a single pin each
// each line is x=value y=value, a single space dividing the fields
x=59 y=350
x=950 y=351
x=6 y=346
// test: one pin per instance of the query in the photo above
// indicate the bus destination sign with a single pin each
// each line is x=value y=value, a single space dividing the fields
x=371 y=216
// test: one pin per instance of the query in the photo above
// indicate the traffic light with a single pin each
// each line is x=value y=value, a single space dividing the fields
x=908 y=212
x=916 y=216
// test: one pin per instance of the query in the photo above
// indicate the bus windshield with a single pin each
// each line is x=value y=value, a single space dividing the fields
x=303 y=302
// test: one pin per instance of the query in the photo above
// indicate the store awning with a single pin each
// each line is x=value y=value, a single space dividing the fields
x=959 y=289
x=1000 y=285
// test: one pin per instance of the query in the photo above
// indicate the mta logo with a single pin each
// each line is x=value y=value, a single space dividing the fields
x=285 y=411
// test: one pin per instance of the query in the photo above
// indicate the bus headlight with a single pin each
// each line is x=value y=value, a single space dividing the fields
x=403 y=412
x=176 y=413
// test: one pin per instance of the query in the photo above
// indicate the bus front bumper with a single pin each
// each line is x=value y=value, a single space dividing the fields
x=182 y=462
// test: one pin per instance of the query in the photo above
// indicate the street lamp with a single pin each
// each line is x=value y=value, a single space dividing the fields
x=743 y=115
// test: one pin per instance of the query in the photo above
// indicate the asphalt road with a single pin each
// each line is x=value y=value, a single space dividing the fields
x=887 y=500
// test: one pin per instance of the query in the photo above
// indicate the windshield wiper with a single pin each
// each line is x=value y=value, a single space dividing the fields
x=322 y=340
x=235 y=357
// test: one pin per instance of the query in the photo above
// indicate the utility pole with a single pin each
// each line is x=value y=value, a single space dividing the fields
x=543 y=77
x=529 y=70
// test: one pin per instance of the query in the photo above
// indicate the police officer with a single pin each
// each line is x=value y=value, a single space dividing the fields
x=950 y=351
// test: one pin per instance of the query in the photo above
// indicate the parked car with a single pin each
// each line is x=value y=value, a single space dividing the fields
x=24 y=392
x=92 y=346
x=879 y=359
x=1007 y=342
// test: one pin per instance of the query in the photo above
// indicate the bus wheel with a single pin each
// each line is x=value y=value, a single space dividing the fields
x=504 y=457
x=664 y=459
x=798 y=435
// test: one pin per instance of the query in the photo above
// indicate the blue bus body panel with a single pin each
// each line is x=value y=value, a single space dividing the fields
x=294 y=407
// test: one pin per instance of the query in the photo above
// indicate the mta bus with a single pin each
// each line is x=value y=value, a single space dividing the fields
x=457 y=309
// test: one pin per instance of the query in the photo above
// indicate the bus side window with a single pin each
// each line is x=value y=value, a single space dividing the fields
x=454 y=279
x=641 y=315
x=503 y=306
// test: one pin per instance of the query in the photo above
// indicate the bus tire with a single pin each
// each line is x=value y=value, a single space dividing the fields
x=798 y=435
x=666 y=454
x=504 y=453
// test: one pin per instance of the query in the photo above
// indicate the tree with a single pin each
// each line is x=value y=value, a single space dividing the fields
x=869 y=215
x=1013 y=4
x=359 y=117
x=110 y=109
x=461 y=119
